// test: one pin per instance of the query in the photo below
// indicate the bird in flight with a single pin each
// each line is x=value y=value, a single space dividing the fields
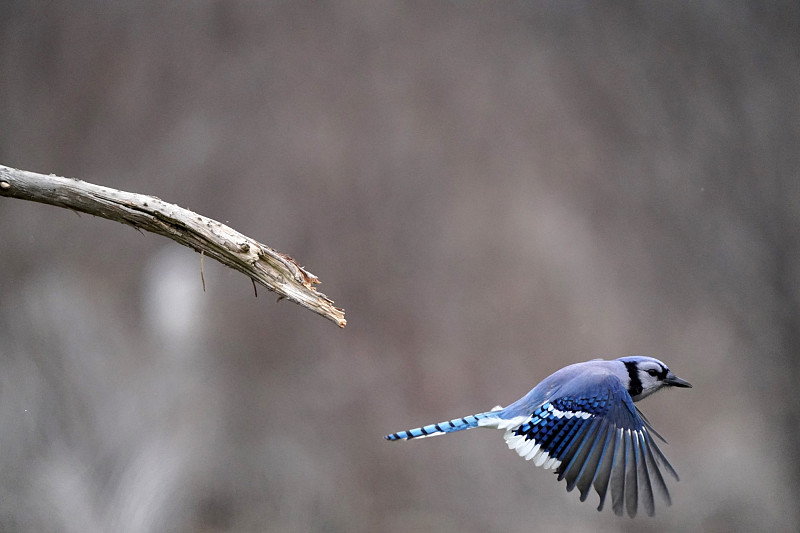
x=581 y=421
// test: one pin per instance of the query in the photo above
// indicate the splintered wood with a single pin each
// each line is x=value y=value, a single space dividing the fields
x=274 y=270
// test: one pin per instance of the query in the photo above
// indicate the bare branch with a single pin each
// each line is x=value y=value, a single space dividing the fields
x=276 y=271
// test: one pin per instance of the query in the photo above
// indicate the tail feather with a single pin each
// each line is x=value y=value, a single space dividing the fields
x=456 y=424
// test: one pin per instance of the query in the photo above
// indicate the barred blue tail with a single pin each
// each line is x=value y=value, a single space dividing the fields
x=457 y=424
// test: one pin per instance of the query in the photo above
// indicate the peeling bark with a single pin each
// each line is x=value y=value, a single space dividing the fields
x=276 y=271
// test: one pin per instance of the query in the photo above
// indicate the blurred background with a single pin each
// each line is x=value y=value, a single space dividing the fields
x=492 y=191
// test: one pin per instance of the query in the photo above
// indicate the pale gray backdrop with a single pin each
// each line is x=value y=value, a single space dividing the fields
x=491 y=190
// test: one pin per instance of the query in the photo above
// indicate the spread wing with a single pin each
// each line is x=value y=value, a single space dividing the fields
x=596 y=438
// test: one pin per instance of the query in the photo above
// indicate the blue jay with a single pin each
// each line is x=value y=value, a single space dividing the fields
x=581 y=421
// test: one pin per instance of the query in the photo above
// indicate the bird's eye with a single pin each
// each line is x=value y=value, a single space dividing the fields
x=653 y=372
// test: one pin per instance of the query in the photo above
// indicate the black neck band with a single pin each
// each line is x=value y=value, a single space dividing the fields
x=635 y=386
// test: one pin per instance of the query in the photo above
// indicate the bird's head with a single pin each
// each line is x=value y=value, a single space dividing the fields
x=647 y=375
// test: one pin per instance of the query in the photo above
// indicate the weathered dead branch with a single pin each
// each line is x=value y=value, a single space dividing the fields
x=276 y=271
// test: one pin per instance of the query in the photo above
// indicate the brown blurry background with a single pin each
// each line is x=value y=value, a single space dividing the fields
x=491 y=190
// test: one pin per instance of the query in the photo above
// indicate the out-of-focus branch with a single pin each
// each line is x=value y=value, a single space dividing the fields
x=276 y=271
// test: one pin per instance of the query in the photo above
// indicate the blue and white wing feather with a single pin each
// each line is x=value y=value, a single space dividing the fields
x=595 y=437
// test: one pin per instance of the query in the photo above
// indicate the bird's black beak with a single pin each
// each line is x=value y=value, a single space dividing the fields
x=674 y=381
